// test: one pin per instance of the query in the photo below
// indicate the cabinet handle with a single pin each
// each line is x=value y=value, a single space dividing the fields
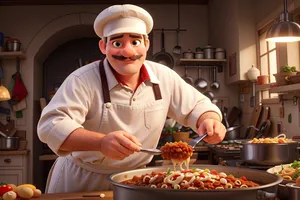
x=7 y=160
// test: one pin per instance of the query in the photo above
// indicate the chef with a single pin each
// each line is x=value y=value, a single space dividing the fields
x=105 y=111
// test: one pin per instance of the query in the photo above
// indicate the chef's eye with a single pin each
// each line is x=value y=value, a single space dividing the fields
x=136 y=42
x=117 y=43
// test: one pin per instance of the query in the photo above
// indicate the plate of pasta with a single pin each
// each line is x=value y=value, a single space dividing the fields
x=289 y=172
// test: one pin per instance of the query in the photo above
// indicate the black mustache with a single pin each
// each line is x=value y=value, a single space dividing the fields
x=135 y=57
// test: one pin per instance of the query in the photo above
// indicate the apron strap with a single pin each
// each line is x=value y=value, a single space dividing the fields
x=156 y=88
x=104 y=84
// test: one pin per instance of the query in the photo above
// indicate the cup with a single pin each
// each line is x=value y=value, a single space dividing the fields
x=262 y=79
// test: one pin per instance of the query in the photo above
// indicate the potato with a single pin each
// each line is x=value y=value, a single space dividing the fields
x=11 y=195
x=25 y=192
x=37 y=193
x=27 y=185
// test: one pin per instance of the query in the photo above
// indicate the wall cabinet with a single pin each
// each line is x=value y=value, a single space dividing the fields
x=13 y=168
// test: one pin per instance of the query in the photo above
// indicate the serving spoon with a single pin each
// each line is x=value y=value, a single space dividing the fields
x=192 y=143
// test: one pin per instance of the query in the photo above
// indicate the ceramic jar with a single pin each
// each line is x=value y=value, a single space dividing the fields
x=220 y=53
x=188 y=54
x=253 y=73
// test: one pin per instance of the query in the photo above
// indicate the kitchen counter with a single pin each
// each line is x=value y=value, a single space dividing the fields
x=16 y=152
x=76 y=196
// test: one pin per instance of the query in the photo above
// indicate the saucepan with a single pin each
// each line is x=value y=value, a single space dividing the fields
x=9 y=143
x=267 y=189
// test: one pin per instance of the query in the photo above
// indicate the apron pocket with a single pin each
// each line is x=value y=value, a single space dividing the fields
x=154 y=117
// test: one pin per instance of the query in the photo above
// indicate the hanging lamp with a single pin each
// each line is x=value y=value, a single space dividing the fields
x=285 y=30
x=4 y=93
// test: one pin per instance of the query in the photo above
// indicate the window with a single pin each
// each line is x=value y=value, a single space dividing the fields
x=267 y=61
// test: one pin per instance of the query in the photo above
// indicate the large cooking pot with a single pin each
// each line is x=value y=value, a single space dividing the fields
x=269 y=153
x=267 y=190
x=9 y=143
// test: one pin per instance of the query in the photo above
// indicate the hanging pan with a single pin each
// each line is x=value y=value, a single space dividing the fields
x=163 y=57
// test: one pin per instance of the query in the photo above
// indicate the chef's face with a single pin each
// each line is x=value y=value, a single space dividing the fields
x=125 y=52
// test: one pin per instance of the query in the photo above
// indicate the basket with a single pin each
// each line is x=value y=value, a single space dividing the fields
x=282 y=78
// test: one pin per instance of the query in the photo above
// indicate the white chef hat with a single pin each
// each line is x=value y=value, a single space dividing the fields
x=125 y=18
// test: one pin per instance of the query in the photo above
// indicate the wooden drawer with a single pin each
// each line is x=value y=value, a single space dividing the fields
x=11 y=161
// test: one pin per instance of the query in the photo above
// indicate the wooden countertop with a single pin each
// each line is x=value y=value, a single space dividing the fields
x=77 y=196
x=16 y=152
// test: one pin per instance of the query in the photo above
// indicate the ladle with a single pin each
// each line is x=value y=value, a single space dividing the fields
x=192 y=143
x=3 y=134
x=215 y=84
x=200 y=83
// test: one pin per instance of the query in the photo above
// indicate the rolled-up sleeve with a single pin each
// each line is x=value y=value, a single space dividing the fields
x=64 y=113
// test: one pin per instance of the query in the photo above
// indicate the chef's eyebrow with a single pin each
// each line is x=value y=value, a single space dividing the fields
x=120 y=36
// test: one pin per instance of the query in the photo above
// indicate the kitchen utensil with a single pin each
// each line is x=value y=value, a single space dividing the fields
x=233 y=133
x=200 y=83
x=163 y=57
x=266 y=190
x=188 y=54
x=269 y=153
x=9 y=143
x=177 y=48
x=294 y=191
x=225 y=110
x=233 y=115
x=254 y=119
x=187 y=78
x=209 y=94
x=192 y=143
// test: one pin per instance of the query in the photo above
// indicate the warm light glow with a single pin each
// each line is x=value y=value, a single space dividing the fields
x=4 y=94
x=283 y=39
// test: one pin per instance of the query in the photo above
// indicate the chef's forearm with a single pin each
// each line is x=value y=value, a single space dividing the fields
x=82 y=140
x=208 y=115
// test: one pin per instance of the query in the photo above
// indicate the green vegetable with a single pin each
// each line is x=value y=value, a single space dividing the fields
x=287 y=68
x=296 y=164
x=169 y=172
x=296 y=175
x=2 y=183
x=194 y=169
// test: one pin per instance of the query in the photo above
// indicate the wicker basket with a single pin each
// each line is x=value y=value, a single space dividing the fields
x=282 y=78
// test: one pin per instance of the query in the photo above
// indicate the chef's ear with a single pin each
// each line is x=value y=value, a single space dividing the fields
x=147 y=43
x=102 y=45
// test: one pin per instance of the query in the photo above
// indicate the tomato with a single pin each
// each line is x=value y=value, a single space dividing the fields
x=4 y=189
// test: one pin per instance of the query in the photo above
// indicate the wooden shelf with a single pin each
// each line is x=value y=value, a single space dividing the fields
x=285 y=88
x=263 y=87
x=202 y=62
x=9 y=55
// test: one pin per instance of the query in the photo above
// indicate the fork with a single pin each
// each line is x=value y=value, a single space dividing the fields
x=192 y=143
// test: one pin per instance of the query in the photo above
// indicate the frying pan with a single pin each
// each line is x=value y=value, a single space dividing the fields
x=163 y=57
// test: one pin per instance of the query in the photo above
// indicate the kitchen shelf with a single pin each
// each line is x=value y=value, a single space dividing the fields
x=201 y=62
x=285 y=88
x=12 y=55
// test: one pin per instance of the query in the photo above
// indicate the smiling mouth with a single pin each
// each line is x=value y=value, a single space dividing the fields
x=133 y=58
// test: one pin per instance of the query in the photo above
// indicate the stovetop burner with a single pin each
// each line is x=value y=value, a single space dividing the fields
x=242 y=164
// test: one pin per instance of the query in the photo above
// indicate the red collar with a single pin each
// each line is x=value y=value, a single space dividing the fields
x=144 y=75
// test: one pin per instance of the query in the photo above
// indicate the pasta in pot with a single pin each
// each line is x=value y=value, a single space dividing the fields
x=178 y=152
x=195 y=179
x=280 y=139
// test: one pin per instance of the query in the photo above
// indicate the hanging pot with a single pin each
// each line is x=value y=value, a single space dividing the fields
x=163 y=57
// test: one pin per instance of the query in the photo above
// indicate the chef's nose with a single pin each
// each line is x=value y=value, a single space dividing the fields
x=128 y=50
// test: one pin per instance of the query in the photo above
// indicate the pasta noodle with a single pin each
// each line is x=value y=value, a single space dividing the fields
x=281 y=139
x=178 y=152
x=290 y=171
x=195 y=179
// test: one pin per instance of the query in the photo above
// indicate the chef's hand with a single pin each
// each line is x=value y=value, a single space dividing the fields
x=119 y=145
x=214 y=128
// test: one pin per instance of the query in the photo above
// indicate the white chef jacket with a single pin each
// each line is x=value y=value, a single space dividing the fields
x=79 y=103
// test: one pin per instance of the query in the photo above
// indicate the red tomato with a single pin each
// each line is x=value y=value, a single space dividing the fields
x=4 y=189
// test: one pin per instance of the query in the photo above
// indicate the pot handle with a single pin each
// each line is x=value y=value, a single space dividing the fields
x=261 y=194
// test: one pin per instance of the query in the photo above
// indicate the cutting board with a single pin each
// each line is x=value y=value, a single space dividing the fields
x=254 y=119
